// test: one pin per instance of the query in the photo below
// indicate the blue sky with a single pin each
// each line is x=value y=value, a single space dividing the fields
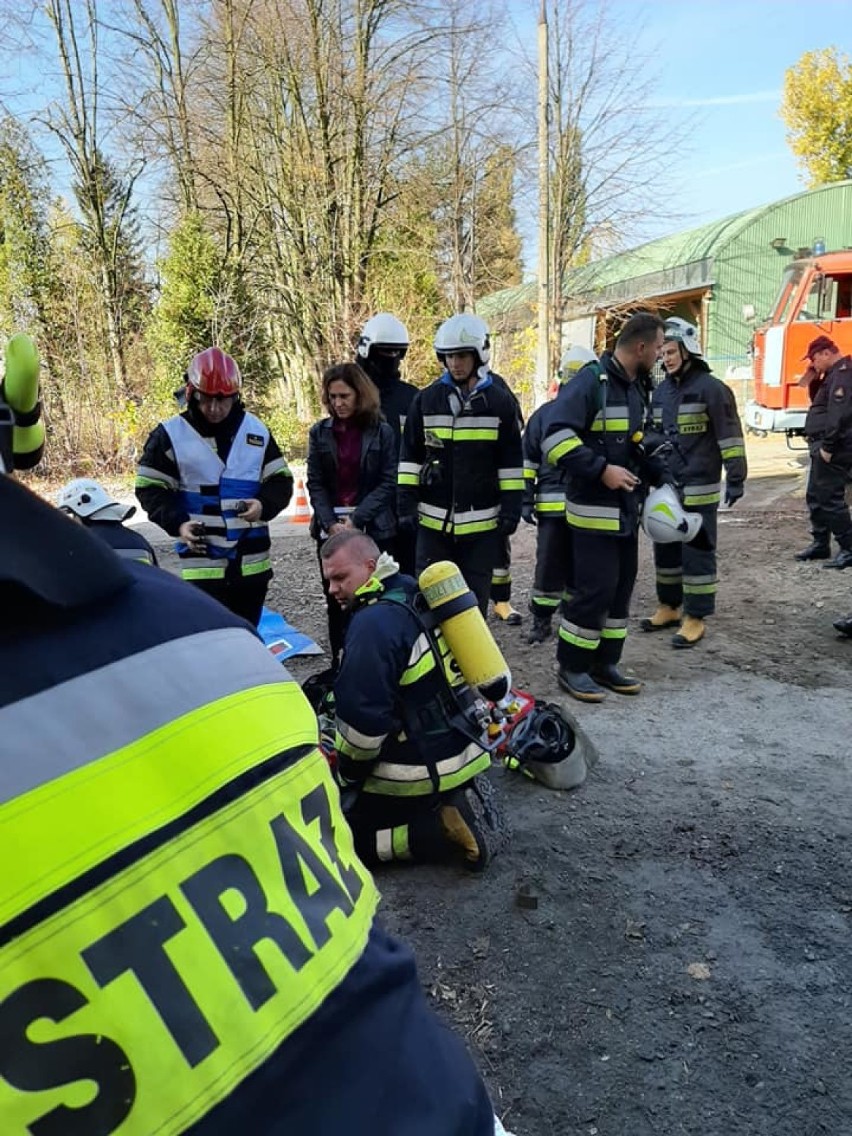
x=721 y=70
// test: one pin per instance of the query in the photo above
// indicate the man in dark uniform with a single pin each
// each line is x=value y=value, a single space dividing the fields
x=833 y=458
x=382 y=346
x=594 y=433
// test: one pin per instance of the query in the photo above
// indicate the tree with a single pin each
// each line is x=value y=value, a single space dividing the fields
x=816 y=107
x=24 y=232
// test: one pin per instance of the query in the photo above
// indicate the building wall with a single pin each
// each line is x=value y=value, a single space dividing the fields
x=748 y=269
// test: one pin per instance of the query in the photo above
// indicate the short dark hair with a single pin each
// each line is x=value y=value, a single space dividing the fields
x=367 y=403
x=366 y=544
x=642 y=326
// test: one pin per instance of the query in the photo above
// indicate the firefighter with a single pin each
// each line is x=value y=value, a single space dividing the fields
x=501 y=577
x=189 y=941
x=382 y=346
x=416 y=773
x=593 y=433
x=834 y=467
x=544 y=506
x=214 y=477
x=93 y=507
x=695 y=416
x=460 y=471
x=815 y=382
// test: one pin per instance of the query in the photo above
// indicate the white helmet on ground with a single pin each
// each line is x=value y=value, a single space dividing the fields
x=574 y=359
x=665 y=520
x=680 y=331
x=88 y=499
x=383 y=330
x=465 y=332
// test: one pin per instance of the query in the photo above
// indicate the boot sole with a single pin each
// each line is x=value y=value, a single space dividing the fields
x=681 y=644
x=581 y=695
x=647 y=625
x=631 y=690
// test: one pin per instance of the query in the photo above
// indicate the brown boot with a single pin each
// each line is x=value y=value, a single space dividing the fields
x=662 y=618
x=691 y=630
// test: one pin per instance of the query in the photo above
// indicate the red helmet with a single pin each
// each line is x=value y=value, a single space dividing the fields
x=213 y=372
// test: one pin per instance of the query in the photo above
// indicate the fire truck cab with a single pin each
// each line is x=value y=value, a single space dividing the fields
x=815 y=299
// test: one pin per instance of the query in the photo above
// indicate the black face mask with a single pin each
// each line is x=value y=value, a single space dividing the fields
x=383 y=369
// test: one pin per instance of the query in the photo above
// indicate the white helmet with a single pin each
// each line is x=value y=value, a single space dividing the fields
x=574 y=359
x=465 y=332
x=680 y=331
x=383 y=330
x=88 y=499
x=664 y=519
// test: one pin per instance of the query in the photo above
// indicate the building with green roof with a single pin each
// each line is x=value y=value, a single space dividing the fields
x=723 y=276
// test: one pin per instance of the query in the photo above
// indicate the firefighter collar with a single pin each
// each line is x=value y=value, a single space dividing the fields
x=386 y=567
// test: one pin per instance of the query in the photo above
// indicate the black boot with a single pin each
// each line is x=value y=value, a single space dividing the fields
x=610 y=676
x=842 y=560
x=844 y=626
x=540 y=629
x=816 y=550
x=580 y=685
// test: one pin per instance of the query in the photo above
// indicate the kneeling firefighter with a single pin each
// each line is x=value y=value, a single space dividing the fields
x=188 y=939
x=410 y=730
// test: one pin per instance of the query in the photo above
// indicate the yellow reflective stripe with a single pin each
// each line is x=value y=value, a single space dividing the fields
x=460 y=434
x=510 y=484
x=702 y=498
x=258 y=912
x=203 y=573
x=614 y=424
x=550 y=506
x=144 y=482
x=613 y=633
x=593 y=523
x=101 y=808
x=733 y=452
x=466 y=527
x=420 y=785
x=698 y=589
x=700 y=416
x=423 y=666
x=583 y=637
x=407 y=479
x=249 y=568
x=399 y=842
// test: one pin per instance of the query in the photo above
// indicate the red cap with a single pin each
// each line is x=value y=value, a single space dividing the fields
x=821 y=343
x=213 y=372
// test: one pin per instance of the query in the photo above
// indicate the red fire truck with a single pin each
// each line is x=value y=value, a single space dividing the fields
x=815 y=299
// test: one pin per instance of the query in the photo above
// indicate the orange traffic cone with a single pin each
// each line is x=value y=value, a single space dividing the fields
x=301 y=514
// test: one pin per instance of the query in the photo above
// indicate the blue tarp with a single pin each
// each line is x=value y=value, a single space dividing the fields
x=283 y=640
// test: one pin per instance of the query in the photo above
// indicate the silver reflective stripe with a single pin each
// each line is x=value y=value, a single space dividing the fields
x=79 y=721
x=471 y=515
x=152 y=474
x=277 y=465
x=384 y=844
x=510 y=474
x=702 y=490
x=356 y=738
x=692 y=408
x=483 y=422
x=437 y=421
x=604 y=512
x=396 y=771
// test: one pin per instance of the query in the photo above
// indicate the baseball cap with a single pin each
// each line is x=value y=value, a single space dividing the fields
x=821 y=343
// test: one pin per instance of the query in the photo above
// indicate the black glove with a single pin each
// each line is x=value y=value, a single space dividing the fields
x=407 y=526
x=733 y=494
x=528 y=513
x=506 y=525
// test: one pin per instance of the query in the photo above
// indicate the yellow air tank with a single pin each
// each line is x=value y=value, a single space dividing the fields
x=465 y=631
x=20 y=390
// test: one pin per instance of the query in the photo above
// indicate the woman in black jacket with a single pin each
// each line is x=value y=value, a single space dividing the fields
x=352 y=466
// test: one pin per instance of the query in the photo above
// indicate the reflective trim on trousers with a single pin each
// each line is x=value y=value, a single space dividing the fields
x=587 y=638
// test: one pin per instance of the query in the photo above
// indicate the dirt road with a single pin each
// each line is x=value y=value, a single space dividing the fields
x=687 y=969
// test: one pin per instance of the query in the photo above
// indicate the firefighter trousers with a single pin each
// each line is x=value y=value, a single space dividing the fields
x=832 y=512
x=475 y=557
x=593 y=626
x=501 y=573
x=686 y=573
x=819 y=525
x=552 y=581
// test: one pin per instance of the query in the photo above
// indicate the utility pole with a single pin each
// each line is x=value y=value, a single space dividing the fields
x=542 y=370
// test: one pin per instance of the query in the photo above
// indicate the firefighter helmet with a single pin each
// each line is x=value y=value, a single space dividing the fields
x=383 y=330
x=88 y=499
x=465 y=332
x=574 y=359
x=213 y=372
x=680 y=331
x=664 y=519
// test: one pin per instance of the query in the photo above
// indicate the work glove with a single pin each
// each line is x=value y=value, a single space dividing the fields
x=528 y=513
x=506 y=525
x=733 y=494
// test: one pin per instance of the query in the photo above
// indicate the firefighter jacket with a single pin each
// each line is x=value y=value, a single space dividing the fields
x=182 y=905
x=815 y=419
x=697 y=414
x=594 y=421
x=544 y=484
x=192 y=472
x=375 y=511
x=461 y=465
x=838 y=420
x=395 y=394
x=124 y=541
x=400 y=731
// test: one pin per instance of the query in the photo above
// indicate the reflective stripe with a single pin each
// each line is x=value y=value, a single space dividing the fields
x=214 y=571
x=468 y=521
x=501 y=576
x=692 y=408
x=357 y=745
x=138 y=554
x=603 y=518
x=530 y=470
x=546 y=599
x=399 y=837
x=147 y=475
x=617 y=420
x=384 y=845
x=614 y=629
x=558 y=444
x=709 y=494
x=699 y=585
x=396 y=779
x=438 y=421
x=585 y=637
x=276 y=467
x=510 y=474
x=146 y=691
x=408 y=473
